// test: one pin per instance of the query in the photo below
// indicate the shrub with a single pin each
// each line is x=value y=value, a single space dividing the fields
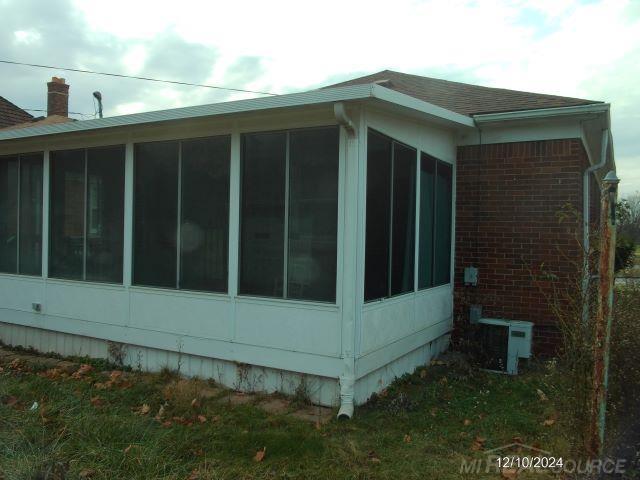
x=625 y=252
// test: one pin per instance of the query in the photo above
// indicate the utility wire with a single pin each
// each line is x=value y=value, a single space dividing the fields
x=71 y=113
x=135 y=78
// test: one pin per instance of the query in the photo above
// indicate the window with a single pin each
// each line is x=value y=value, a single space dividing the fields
x=390 y=217
x=436 y=190
x=288 y=244
x=181 y=214
x=87 y=214
x=444 y=190
x=21 y=214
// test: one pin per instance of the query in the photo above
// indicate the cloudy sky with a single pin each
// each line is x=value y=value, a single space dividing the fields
x=588 y=49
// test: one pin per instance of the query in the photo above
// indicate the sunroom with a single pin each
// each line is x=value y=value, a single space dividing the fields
x=262 y=243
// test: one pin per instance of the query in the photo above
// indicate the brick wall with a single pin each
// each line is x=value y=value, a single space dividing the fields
x=509 y=200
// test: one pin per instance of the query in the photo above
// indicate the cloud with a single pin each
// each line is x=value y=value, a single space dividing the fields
x=588 y=49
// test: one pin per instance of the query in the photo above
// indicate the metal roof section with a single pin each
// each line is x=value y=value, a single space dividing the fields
x=315 y=97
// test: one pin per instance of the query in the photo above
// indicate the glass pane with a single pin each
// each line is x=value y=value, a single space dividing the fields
x=262 y=214
x=31 y=214
x=444 y=191
x=67 y=214
x=313 y=212
x=205 y=214
x=427 y=192
x=155 y=214
x=376 y=282
x=105 y=213
x=403 y=238
x=8 y=214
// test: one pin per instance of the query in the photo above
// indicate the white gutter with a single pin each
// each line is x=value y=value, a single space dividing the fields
x=586 y=216
x=592 y=108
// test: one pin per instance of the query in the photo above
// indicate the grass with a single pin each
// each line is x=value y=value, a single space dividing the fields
x=422 y=427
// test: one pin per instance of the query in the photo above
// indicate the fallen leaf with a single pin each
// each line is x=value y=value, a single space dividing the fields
x=202 y=418
x=509 y=473
x=115 y=375
x=102 y=386
x=195 y=475
x=167 y=424
x=51 y=374
x=373 y=457
x=407 y=438
x=179 y=420
x=478 y=444
x=128 y=449
x=467 y=422
x=96 y=401
x=87 y=473
x=195 y=403
x=548 y=422
x=160 y=413
x=541 y=395
x=82 y=371
x=260 y=454
x=144 y=409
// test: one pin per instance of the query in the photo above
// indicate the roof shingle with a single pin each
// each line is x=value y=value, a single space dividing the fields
x=11 y=114
x=464 y=98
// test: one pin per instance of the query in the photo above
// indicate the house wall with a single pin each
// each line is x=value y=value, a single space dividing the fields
x=519 y=222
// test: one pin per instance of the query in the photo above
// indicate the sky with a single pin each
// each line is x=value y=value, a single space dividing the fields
x=587 y=49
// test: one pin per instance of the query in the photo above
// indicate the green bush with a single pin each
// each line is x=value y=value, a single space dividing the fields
x=625 y=248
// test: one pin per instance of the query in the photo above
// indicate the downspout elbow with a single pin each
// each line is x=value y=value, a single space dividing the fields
x=347 y=383
x=343 y=119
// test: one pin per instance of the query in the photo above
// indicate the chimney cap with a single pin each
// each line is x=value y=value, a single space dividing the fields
x=57 y=80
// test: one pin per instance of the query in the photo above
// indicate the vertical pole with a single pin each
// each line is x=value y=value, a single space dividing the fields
x=604 y=313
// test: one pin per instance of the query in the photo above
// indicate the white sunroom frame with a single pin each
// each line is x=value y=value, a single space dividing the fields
x=363 y=103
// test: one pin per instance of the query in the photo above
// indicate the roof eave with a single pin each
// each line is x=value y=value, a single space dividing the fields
x=430 y=110
x=313 y=97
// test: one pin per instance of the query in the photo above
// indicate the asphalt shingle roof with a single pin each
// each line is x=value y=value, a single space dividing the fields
x=11 y=114
x=464 y=98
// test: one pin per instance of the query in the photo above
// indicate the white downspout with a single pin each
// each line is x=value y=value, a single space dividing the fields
x=347 y=379
x=586 y=215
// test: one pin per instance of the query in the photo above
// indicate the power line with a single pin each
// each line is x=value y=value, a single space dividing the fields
x=71 y=113
x=135 y=78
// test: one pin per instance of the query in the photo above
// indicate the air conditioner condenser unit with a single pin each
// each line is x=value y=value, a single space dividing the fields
x=505 y=342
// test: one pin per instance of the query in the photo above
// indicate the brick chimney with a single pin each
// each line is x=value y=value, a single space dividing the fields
x=57 y=97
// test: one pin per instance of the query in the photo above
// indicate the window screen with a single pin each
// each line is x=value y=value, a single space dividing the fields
x=427 y=203
x=444 y=190
x=181 y=214
x=21 y=214
x=390 y=217
x=289 y=214
x=87 y=214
